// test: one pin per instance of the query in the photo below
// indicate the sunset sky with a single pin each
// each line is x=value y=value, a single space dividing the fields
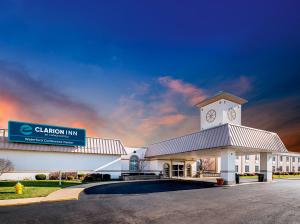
x=133 y=70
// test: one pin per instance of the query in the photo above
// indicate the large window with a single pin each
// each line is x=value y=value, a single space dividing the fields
x=280 y=168
x=281 y=158
x=274 y=158
x=134 y=163
x=246 y=157
x=287 y=159
x=273 y=169
x=256 y=157
x=293 y=159
x=287 y=169
x=247 y=169
x=256 y=169
x=236 y=168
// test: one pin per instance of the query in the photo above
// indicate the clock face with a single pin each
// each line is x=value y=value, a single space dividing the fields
x=211 y=115
x=231 y=114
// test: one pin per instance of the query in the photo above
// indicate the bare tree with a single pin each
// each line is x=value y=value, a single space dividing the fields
x=142 y=164
x=5 y=166
x=207 y=164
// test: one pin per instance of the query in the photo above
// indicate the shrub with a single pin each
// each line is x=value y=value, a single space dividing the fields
x=106 y=177
x=93 y=177
x=40 y=177
x=70 y=178
x=69 y=175
x=64 y=175
x=81 y=176
x=54 y=176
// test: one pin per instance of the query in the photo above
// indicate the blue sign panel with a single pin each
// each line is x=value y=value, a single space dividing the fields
x=45 y=134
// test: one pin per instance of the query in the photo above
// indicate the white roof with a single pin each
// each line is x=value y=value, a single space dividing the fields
x=93 y=146
x=227 y=135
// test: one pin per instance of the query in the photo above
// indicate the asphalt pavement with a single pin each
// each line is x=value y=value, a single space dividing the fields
x=168 y=202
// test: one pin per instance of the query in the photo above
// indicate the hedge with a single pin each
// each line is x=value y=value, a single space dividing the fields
x=40 y=177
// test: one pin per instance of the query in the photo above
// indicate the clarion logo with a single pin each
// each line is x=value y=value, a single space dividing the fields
x=26 y=129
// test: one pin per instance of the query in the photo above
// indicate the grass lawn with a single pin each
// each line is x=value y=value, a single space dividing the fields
x=248 y=177
x=285 y=176
x=274 y=176
x=32 y=189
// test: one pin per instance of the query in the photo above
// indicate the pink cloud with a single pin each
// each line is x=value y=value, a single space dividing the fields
x=192 y=94
x=238 y=86
x=280 y=116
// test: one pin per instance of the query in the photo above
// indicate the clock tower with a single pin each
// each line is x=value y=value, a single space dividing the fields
x=220 y=109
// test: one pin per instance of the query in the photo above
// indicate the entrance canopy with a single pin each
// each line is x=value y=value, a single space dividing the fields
x=213 y=141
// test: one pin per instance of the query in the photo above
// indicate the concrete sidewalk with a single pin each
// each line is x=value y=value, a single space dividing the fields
x=64 y=194
x=69 y=193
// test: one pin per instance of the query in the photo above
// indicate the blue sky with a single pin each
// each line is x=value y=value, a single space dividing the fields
x=116 y=67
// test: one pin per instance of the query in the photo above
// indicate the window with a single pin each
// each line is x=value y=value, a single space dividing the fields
x=281 y=158
x=280 y=168
x=274 y=158
x=298 y=159
x=293 y=159
x=256 y=157
x=198 y=165
x=177 y=170
x=247 y=169
x=189 y=170
x=293 y=169
x=246 y=157
x=256 y=169
x=166 y=171
x=236 y=168
x=287 y=159
x=273 y=168
x=134 y=163
x=298 y=168
x=287 y=169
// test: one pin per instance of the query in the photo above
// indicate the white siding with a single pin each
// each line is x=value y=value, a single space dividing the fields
x=31 y=161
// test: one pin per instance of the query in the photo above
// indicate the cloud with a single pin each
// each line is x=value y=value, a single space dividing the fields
x=27 y=99
x=239 y=86
x=277 y=115
x=150 y=113
x=189 y=91
x=157 y=115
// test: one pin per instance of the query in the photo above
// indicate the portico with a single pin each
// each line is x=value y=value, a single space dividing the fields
x=222 y=136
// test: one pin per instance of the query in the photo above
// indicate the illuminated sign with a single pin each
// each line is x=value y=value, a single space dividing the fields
x=45 y=134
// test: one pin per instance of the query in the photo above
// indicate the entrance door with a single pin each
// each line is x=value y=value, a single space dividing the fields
x=189 y=170
x=178 y=169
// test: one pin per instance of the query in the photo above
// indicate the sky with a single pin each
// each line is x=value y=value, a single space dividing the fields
x=134 y=70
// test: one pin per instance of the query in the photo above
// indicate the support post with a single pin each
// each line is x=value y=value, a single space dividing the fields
x=266 y=165
x=228 y=166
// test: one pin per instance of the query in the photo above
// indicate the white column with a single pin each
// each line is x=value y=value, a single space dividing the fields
x=266 y=165
x=228 y=166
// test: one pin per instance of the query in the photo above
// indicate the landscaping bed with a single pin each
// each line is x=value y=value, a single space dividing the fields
x=32 y=189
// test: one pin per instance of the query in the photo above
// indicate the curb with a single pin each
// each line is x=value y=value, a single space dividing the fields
x=60 y=195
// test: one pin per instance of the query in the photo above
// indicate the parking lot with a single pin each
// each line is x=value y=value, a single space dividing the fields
x=169 y=201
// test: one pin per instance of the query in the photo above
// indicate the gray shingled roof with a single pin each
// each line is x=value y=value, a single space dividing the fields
x=93 y=146
x=227 y=135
